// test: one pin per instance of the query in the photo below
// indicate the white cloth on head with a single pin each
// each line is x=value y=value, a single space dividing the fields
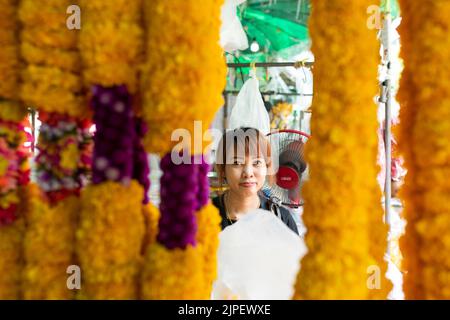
x=249 y=109
x=258 y=258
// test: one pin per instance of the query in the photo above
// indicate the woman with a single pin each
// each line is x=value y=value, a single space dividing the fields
x=243 y=163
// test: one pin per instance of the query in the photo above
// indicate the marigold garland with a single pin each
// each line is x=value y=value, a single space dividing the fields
x=61 y=167
x=11 y=248
x=423 y=138
x=184 y=200
x=11 y=240
x=208 y=228
x=14 y=173
x=110 y=45
x=49 y=247
x=208 y=220
x=50 y=81
x=109 y=240
x=172 y=274
x=59 y=58
x=176 y=89
x=340 y=221
x=409 y=244
x=9 y=57
x=174 y=75
x=111 y=42
x=11 y=112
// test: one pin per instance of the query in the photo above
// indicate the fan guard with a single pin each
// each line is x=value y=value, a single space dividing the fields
x=288 y=158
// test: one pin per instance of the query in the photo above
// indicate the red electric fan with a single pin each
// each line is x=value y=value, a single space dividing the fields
x=289 y=165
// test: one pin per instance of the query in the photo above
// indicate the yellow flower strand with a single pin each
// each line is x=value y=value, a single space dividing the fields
x=344 y=222
x=172 y=274
x=109 y=240
x=172 y=74
x=207 y=244
x=423 y=138
x=184 y=74
x=10 y=109
x=50 y=80
x=208 y=220
x=111 y=42
x=11 y=236
x=111 y=234
x=11 y=240
x=9 y=57
x=11 y=248
x=49 y=248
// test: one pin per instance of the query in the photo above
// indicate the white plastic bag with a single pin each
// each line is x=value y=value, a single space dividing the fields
x=232 y=35
x=258 y=258
x=249 y=110
x=276 y=82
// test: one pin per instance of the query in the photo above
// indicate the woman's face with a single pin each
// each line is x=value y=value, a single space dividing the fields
x=246 y=176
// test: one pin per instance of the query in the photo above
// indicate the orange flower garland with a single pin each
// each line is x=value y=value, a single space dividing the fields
x=112 y=228
x=111 y=42
x=423 y=133
x=109 y=240
x=172 y=274
x=10 y=109
x=11 y=240
x=344 y=222
x=208 y=220
x=51 y=79
x=52 y=216
x=9 y=58
x=174 y=76
x=11 y=248
x=205 y=259
x=11 y=140
x=48 y=247
x=184 y=70
x=51 y=82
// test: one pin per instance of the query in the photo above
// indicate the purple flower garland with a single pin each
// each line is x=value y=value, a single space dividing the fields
x=179 y=202
x=115 y=134
x=118 y=152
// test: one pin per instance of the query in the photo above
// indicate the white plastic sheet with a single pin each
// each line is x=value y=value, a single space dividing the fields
x=249 y=110
x=258 y=258
x=232 y=35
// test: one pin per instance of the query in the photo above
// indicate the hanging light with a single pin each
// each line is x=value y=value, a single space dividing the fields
x=254 y=47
